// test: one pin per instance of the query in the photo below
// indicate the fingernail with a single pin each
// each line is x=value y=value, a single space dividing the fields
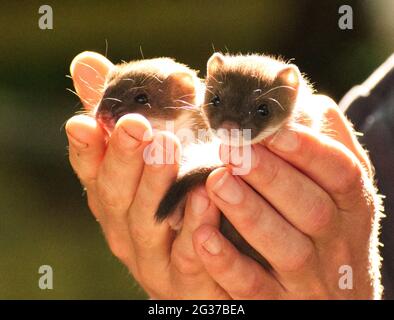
x=213 y=244
x=127 y=139
x=131 y=133
x=78 y=144
x=285 y=140
x=228 y=189
x=136 y=126
x=243 y=159
x=199 y=201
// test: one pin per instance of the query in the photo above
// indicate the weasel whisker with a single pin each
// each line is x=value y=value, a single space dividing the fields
x=136 y=88
x=277 y=102
x=215 y=79
x=86 y=101
x=90 y=87
x=127 y=79
x=90 y=67
x=186 y=108
x=185 y=102
x=113 y=99
x=275 y=88
x=186 y=95
x=209 y=90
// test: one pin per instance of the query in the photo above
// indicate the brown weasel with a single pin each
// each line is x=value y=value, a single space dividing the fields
x=160 y=89
x=164 y=91
x=252 y=94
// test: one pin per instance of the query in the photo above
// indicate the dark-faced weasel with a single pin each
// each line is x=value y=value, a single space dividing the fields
x=160 y=89
x=253 y=96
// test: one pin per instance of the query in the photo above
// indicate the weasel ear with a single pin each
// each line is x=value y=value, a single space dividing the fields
x=88 y=71
x=181 y=83
x=183 y=79
x=290 y=76
x=215 y=62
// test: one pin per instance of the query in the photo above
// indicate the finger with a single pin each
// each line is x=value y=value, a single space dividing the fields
x=152 y=241
x=338 y=127
x=326 y=161
x=118 y=178
x=238 y=275
x=188 y=272
x=342 y=131
x=88 y=71
x=199 y=210
x=286 y=248
x=311 y=210
x=123 y=163
x=86 y=147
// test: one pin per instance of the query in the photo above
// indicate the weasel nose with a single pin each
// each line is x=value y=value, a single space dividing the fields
x=228 y=125
x=106 y=121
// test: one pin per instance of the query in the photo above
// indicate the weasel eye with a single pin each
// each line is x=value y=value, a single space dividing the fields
x=263 y=110
x=141 y=98
x=215 y=101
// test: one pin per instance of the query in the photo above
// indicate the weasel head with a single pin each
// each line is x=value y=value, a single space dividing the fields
x=248 y=97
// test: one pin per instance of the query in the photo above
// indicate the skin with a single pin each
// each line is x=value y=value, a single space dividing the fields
x=305 y=206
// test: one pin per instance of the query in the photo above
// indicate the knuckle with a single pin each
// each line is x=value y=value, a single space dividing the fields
x=298 y=259
x=118 y=249
x=184 y=262
x=250 y=218
x=349 y=179
x=271 y=174
x=251 y=288
x=320 y=215
x=108 y=196
x=141 y=237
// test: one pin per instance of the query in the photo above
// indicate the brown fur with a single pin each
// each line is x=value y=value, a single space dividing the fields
x=169 y=86
x=245 y=82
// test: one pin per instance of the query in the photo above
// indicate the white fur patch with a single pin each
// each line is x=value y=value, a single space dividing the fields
x=200 y=155
x=266 y=133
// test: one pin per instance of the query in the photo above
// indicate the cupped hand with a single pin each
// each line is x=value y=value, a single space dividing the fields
x=309 y=206
x=123 y=192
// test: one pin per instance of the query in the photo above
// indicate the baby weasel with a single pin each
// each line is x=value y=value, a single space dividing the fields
x=255 y=94
x=160 y=89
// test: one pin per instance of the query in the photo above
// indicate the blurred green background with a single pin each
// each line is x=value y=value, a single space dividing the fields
x=44 y=218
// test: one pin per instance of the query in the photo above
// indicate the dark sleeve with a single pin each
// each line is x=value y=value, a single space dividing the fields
x=370 y=107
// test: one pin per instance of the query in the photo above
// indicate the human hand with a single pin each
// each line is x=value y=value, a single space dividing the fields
x=123 y=193
x=312 y=212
